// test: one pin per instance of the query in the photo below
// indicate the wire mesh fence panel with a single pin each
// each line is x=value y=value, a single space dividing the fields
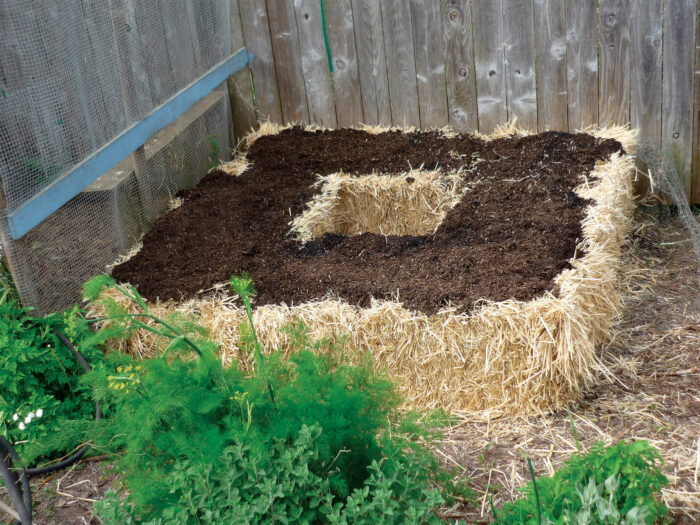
x=73 y=77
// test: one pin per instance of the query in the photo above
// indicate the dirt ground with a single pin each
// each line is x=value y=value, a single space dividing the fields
x=652 y=393
x=66 y=497
x=508 y=237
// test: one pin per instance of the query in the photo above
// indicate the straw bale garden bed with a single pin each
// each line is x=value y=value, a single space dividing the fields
x=481 y=272
x=398 y=272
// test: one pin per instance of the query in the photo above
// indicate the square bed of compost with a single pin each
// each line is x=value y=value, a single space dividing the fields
x=480 y=271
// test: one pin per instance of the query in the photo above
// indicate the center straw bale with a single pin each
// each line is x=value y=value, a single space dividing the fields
x=411 y=203
x=504 y=358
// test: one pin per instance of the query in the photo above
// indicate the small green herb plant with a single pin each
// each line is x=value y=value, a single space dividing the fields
x=620 y=484
x=41 y=379
x=214 y=150
x=304 y=439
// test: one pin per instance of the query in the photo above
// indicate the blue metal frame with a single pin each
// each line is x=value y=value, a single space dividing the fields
x=45 y=203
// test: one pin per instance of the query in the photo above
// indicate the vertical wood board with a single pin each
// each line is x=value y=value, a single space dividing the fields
x=677 y=93
x=614 y=67
x=695 y=185
x=80 y=110
x=314 y=63
x=430 y=63
x=240 y=88
x=550 y=52
x=100 y=56
x=645 y=81
x=150 y=28
x=179 y=43
x=290 y=75
x=519 y=53
x=346 y=74
x=489 y=64
x=400 y=61
x=582 y=63
x=256 y=34
x=460 y=75
x=371 y=61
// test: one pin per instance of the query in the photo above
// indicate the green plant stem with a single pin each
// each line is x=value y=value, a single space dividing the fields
x=174 y=331
x=258 y=346
x=537 y=494
x=244 y=293
x=573 y=428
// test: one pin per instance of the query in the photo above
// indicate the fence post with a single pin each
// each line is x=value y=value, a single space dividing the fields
x=240 y=90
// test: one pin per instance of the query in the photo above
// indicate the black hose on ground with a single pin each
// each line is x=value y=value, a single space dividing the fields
x=17 y=483
x=16 y=479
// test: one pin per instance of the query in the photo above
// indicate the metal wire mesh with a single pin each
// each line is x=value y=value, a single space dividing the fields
x=73 y=76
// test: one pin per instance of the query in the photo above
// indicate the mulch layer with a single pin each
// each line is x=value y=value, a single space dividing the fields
x=509 y=236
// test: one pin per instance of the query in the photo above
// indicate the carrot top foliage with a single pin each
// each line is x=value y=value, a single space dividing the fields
x=180 y=418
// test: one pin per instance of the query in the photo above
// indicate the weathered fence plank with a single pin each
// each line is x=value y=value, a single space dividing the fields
x=150 y=28
x=102 y=60
x=645 y=81
x=430 y=63
x=678 y=63
x=136 y=94
x=550 y=50
x=80 y=104
x=256 y=33
x=290 y=75
x=17 y=123
x=521 y=94
x=695 y=185
x=55 y=124
x=614 y=68
x=136 y=91
x=180 y=48
x=582 y=63
x=489 y=58
x=240 y=89
x=400 y=63
x=314 y=63
x=371 y=60
x=194 y=37
x=346 y=75
x=459 y=63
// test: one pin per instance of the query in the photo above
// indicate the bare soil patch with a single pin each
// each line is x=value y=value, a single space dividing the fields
x=67 y=497
x=509 y=237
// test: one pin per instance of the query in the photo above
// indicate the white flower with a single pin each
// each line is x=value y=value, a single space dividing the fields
x=29 y=417
x=15 y=417
x=21 y=426
x=40 y=412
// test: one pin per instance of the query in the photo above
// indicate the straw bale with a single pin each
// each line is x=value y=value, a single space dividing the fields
x=503 y=358
x=410 y=203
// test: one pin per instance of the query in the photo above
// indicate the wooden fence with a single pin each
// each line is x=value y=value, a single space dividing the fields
x=474 y=64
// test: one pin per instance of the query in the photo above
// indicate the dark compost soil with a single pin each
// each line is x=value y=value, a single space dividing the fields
x=509 y=237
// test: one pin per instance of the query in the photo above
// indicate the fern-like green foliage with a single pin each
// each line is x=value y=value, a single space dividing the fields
x=618 y=484
x=176 y=418
x=40 y=379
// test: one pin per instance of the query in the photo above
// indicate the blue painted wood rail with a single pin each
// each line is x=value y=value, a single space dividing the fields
x=50 y=199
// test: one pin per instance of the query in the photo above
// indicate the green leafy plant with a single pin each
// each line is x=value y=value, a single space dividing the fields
x=41 y=379
x=181 y=424
x=248 y=486
x=214 y=150
x=620 y=484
